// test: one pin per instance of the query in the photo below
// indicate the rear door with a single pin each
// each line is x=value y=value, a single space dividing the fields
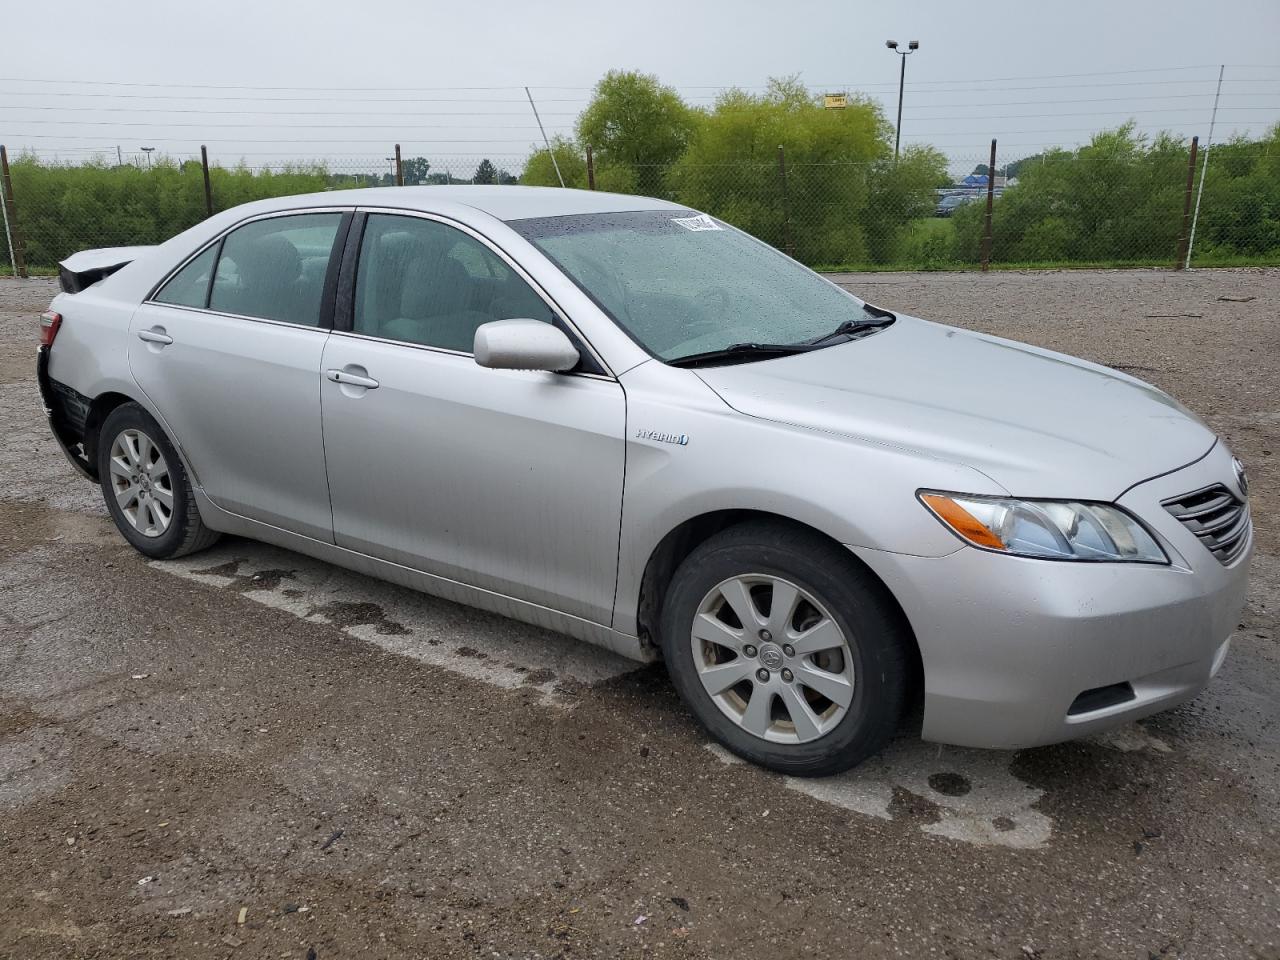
x=502 y=479
x=229 y=352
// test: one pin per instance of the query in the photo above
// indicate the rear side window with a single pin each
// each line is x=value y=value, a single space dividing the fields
x=424 y=282
x=189 y=287
x=275 y=268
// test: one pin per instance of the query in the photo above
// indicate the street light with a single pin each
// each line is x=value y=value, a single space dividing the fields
x=147 y=151
x=912 y=47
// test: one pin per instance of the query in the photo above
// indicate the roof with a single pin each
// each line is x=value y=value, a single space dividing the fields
x=505 y=203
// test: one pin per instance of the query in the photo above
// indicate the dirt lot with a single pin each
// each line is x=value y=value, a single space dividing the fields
x=249 y=754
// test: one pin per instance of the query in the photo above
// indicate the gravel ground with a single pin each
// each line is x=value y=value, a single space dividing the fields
x=250 y=754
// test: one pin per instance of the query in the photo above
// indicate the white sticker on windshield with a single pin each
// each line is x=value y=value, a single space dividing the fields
x=701 y=222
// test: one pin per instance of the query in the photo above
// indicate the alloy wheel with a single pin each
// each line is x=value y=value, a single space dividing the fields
x=772 y=658
x=141 y=483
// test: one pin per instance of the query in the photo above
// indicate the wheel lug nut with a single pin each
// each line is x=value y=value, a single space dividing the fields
x=749 y=650
x=762 y=675
x=789 y=650
x=766 y=636
x=787 y=676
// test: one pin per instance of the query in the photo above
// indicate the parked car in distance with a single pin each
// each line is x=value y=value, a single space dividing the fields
x=627 y=421
x=951 y=202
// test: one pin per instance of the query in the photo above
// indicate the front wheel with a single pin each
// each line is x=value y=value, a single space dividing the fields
x=786 y=649
x=146 y=488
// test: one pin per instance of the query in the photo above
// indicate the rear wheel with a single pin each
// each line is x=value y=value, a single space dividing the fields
x=786 y=649
x=146 y=488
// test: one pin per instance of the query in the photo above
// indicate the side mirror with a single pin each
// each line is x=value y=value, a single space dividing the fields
x=524 y=345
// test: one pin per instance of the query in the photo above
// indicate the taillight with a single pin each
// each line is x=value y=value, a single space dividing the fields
x=49 y=324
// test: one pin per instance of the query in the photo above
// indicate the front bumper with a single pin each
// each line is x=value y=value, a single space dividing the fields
x=1008 y=644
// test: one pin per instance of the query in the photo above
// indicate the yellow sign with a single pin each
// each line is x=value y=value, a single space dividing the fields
x=835 y=101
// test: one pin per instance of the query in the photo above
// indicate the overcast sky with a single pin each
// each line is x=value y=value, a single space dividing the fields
x=269 y=81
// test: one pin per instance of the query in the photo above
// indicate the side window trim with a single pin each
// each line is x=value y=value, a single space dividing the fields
x=329 y=296
x=344 y=319
x=332 y=288
x=345 y=306
x=208 y=285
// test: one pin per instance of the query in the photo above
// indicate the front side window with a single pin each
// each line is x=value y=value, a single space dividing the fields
x=424 y=282
x=275 y=268
x=189 y=287
x=684 y=284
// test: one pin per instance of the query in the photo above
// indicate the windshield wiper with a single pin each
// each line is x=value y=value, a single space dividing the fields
x=852 y=329
x=740 y=352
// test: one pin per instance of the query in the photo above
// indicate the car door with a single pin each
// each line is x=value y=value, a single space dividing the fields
x=228 y=350
x=506 y=480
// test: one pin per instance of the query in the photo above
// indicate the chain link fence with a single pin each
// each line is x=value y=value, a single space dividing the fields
x=1106 y=205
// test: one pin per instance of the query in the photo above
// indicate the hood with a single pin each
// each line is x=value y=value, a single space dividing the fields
x=1038 y=423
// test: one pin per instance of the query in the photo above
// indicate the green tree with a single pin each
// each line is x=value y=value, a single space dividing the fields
x=485 y=172
x=540 y=172
x=637 y=128
x=1117 y=199
x=834 y=159
x=415 y=170
x=901 y=192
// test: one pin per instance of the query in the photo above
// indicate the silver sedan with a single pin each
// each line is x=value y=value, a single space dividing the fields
x=627 y=421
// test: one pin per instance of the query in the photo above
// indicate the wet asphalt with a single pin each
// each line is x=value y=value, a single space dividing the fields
x=247 y=753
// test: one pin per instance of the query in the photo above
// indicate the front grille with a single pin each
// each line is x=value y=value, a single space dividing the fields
x=1217 y=517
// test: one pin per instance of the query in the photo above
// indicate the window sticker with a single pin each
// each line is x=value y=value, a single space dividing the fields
x=701 y=222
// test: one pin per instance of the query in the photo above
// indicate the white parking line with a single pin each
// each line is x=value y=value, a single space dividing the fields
x=978 y=800
x=493 y=649
x=976 y=797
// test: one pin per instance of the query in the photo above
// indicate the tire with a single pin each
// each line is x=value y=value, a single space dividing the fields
x=147 y=471
x=804 y=732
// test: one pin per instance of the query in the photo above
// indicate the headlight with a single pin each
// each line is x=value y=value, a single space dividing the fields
x=1049 y=529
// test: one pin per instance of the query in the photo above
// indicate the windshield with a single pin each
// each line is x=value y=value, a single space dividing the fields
x=683 y=283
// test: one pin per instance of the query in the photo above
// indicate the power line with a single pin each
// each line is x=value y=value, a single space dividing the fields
x=396 y=113
x=59 y=136
x=406 y=122
x=222 y=86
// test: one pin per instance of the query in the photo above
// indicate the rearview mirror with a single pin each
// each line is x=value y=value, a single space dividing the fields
x=524 y=345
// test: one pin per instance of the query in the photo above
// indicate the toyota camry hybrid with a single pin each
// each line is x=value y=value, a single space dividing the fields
x=627 y=421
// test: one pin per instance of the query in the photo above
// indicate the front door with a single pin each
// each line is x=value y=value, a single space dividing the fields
x=229 y=352
x=506 y=480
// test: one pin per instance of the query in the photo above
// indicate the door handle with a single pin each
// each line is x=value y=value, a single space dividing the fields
x=351 y=379
x=155 y=335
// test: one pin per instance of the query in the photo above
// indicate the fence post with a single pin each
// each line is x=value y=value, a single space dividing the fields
x=591 y=169
x=991 y=196
x=786 y=203
x=208 y=190
x=399 y=168
x=11 y=217
x=1185 y=235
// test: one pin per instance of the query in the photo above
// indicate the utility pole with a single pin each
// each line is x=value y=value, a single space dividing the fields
x=559 y=175
x=208 y=189
x=12 y=231
x=912 y=47
x=1204 y=168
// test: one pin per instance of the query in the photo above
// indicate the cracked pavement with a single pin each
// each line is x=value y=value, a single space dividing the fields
x=248 y=753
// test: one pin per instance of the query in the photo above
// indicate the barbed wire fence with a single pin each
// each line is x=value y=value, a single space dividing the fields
x=1132 y=195
x=1057 y=208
